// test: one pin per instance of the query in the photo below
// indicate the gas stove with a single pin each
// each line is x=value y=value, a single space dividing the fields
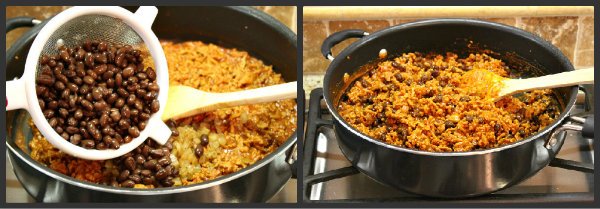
x=329 y=177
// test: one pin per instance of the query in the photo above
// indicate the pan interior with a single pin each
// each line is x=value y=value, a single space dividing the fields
x=519 y=49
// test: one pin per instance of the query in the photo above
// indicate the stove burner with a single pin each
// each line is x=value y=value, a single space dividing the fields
x=316 y=120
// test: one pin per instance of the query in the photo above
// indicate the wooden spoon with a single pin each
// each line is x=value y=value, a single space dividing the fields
x=184 y=101
x=488 y=84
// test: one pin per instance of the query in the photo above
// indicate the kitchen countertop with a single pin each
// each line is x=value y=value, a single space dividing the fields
x=15 y=192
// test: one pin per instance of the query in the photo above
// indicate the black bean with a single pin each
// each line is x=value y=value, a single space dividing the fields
x=142 y=76
x=115 y=115
x=465 y=99
x=522 y=132
x=151 y=74
x=165 y=150
x=153 y=87
x=497 y=127
x=119 y=103
x=142 y=124
x=44 y=60
x=143 y=116
x=59 y=129
x=89 y=59
x=63 y=103
x=88 y=144
x=75 y=139
x=48 y=113
x=132 y=80
x=130 y=163
x=139 y=159
x=134 y=132
x=171 y=123
x=102 y=46
x=148 y=180
x=122 y=92
x=449 y=124
x=101 y=146
x=175 y=171
x=131 y=99
x=112 y=98
x=150 y=164
x=135 y=178
x=101 y=58
x=124 y=175
x=469 y=118
x=138 y=104
x=397 y=65
x=157 y=153
x=87 y=45
x=127 y=72
x=168 y=145
x=161 y=174
x=169 y=169
x=64 y=55
x=163 y=161
x=101 y=105
x=167 y=182
x=44 y=79
x=72 y=130
x=174 y=131
x=52 y=63
x=140 y=93
x=40 y=90
x=128 y=183
x=80 y=54
x=53 y=122
x=96 y=94
x=154 y=106
x=481 y=120
x=132 y=87
x=134 y=114
x=100 y=69
x=145 y=150
x=114 y=184
x=88 y=80
x=125 y=112
x=199 y=150
x=435 y=73
x=63 y=113
x=78 y=114
x=52 y=105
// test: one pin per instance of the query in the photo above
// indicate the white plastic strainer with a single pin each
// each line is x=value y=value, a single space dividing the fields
x=71 y=28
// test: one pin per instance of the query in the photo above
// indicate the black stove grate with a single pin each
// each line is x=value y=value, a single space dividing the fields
x=315 y=121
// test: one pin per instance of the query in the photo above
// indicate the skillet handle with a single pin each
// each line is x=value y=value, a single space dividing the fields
x=17 y=22
x=292 y=160
x=338 y=37
x=588 y=127
x=583 y=123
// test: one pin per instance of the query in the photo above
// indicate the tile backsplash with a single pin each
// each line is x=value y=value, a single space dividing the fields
x=572 y=32
x=286 y=14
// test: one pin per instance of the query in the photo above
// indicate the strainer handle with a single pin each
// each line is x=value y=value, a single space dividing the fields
x=146 y=15
x=16 y=96
x=160 y=132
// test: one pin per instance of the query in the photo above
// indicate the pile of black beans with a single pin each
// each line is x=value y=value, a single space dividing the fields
x=97 y=95
x=148 y=164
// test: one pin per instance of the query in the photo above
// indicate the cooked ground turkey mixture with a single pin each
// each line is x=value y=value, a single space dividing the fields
x=418 y=101
x=202 y=147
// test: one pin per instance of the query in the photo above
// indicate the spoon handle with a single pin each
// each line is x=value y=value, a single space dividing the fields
x=583 y=76
x=259 y=95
